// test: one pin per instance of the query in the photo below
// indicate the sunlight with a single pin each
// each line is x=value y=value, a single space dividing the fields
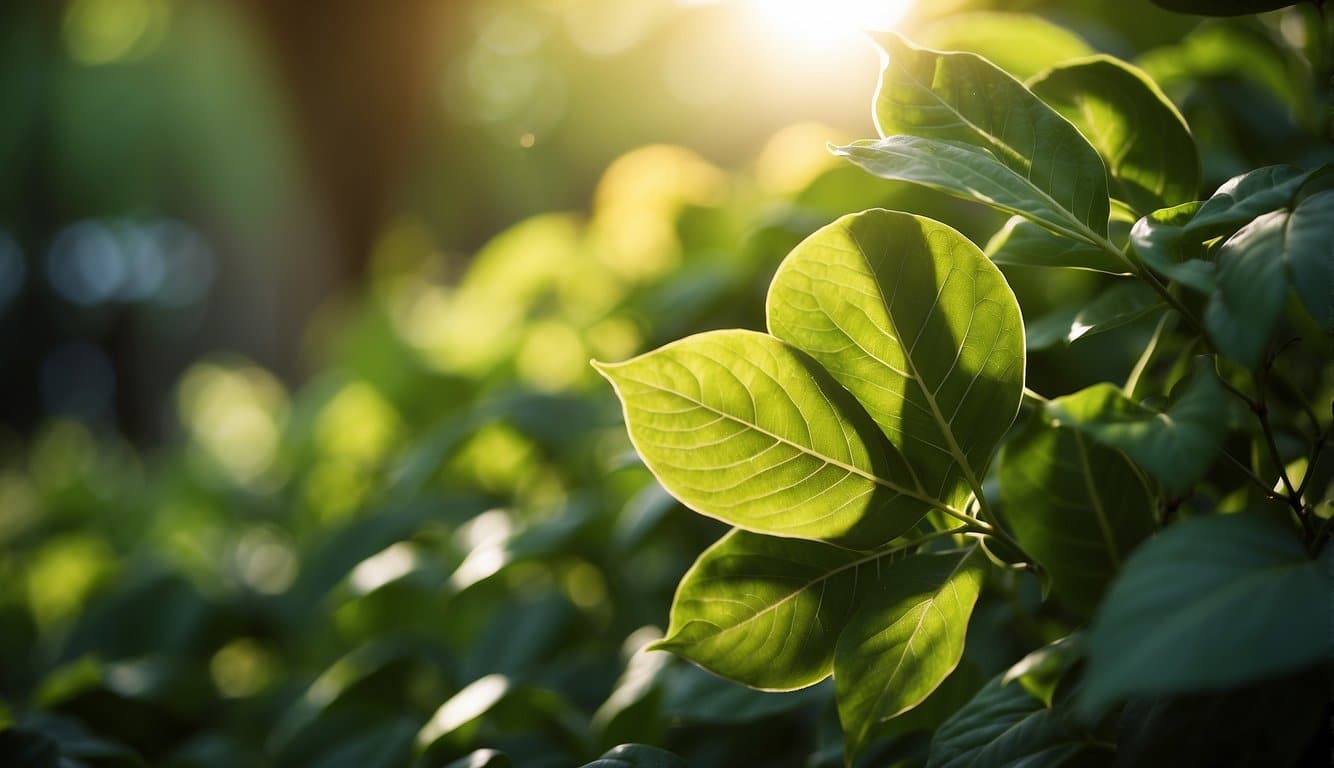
x=828 y=21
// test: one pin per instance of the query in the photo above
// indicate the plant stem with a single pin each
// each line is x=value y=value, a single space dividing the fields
x=1254 y=478
x=1132 y=381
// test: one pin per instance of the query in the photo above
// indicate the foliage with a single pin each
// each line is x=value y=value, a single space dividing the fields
x=891 y=320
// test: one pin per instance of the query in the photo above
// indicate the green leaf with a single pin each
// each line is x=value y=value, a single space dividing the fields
x=766 y=611
x=966 y=172
x=1208 y=604
x=962 y=97
x=1077 y=507
x=910 y=317
x=742 y=427
x=1041 y=671
x=1255 y=267
x=904 y=640
x=1223 y=7
x=993 y=35
x=1158 y=241
x=1004 y=726
x=1150 y=156
x=482 y=758
x=1122 y=304
x=637 y=756
x=1176 y=446
x=1026 y=244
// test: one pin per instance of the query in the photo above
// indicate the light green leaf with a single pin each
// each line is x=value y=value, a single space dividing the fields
x=962 y=97
x=1077 y=507
x=966 y=172
x=1150 y=156
x=744 y=428
x=910 y=317
x=1123 y=303
x=766 y=611
x=904 y=640
x=1042 y=670
x=1209 y=604
x=1004 y=726
x=993 y=35
x=1026 y=244
x=1176 y=446
x=637 y=756
x=1310 y=256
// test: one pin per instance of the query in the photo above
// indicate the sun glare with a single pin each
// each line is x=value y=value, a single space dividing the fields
x=826 y=21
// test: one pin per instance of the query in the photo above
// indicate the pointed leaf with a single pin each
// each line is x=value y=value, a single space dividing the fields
x=910 y=317
x=766 y=611
x=992 y=35
x=744 y=428
x=1077 y=507
x=1119 y=305
x=1151 y=158
x=1209 y=604
x=1004 y=726
x=963 y=97
x=1026 y=244
x=966 y=172
x=1176 y=446
x=905 y=640
x=1041 y=671
x=1249 y=289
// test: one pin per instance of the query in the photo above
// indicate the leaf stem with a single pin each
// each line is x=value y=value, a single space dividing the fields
x=1138 y=269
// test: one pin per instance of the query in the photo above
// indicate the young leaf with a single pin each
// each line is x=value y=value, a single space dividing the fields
x=966 y=172
x=1151 y=158
x=1123 y=303
x=1177 y=446
x=1026 y=244
x=1210 y=603
x=1004 y=725
x=993 y=35
x=964 y=98
x=744 y=428
x=1041 y=671
x=1077 y=507
x=766 y=611
x=904 y=640
x=910 y=317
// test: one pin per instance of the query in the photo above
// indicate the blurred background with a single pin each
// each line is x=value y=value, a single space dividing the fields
x=296 y=304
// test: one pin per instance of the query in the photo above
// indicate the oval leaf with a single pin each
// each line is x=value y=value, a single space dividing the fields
x=910 y=317
x=964 y=98
x=742 y=427
x=1143 y=139
x=1004 y=726
x=905 y=640
x=1210 y=604
x=1077 y=507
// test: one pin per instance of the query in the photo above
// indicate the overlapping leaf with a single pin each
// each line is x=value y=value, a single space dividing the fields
x=1004 y=725
x=905 y=640
x=1150 y=156
x=910 y=317
x=1077 y=507
x=962 y=97
x=1026 y=244
x=742 y=427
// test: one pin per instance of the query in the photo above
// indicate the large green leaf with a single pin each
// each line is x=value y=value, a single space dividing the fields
x=742 y=427
x=766 y=611
x=1077 y=507
x=1176 y=446
x=1223 y=7
x=1150 y=156
x=964 y=98
x=1025 y=244
x=1004 y=725
x=904 y=640
x=992 y=35
x=1209 y=604
x=1255 y=267
x=910 y=317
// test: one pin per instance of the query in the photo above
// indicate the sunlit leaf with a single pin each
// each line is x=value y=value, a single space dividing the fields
x=993 y=35
x=1150 y=156
x=905 y=640
x=1123 y=303
x=1208 y=604
x=1042 y=670
x=742 y=427
x=766 y=611
x=962 y=97
x=1176 y=446
x=1077 y=507
x=910 y=317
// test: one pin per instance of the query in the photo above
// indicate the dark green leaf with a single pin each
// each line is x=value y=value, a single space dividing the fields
x=482 y=758
x=1042 y=670
x=905 y=640
x=1123 y=303
x=1026 y=244
x=1004 y=726
x=637 y=756
x=1208 y=604
x=1223 y=7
